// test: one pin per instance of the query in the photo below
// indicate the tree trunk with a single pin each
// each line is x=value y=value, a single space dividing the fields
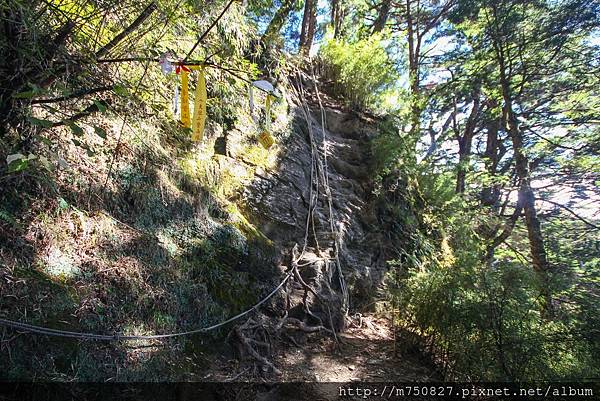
x=464 y=144
x=526 y=195
x=312 y=27
x=490 y=194
x=337 y=17
x=506 y=231
x=413 y=74
x=279 y=19
x=309 y=22
x=382 y=17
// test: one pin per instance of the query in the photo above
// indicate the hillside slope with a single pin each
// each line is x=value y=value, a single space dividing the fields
x=167 y=237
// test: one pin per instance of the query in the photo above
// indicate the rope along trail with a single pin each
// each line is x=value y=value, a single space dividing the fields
x=342 y=280
x=119 y=337
x=320 y=168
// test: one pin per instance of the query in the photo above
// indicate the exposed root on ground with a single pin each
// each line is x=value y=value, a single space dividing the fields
x=251 y=339
x=255 y=337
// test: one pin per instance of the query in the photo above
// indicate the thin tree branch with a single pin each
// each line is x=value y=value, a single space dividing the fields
x=73 y=95
x=578 y=217
x=201 y=38
x=91 y=109
x=138 y=21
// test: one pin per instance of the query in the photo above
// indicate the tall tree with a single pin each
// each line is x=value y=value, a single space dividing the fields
x=309 y=25
x=535 y=49
x=382 y=16
x=419 y=20
x=279 y=19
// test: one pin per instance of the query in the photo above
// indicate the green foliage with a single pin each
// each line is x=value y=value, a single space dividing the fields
x=391 y=149
x=361 y=70
x=7 y=218
x=485 y=319
x=476 y=304
x=482 y=318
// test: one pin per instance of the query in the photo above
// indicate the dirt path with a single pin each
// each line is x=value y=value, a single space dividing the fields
x=366 y=353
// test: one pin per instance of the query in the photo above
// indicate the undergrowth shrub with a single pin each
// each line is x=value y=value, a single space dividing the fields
x=361 y=70
x=479 y=320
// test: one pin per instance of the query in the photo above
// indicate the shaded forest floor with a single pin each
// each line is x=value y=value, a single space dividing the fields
x=364 y=352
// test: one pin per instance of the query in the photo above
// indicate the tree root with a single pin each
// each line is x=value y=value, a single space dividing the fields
x=302 y=326
x=247 y=344
x=253 y=337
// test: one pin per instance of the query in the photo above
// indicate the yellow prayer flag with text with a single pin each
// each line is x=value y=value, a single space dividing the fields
x=199 y=119
x=185 y=100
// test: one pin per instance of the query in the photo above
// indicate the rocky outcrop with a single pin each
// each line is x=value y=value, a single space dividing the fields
x=279 y=201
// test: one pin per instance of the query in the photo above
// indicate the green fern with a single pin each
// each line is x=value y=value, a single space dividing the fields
x=7 y=217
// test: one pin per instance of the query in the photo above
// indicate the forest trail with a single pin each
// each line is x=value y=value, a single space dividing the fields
x=367 y=353
x=318 y=208
x=161 y=220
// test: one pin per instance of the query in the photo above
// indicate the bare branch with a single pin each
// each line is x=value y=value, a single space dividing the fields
x=73 y=95
x=578 y=217
x=138 y=21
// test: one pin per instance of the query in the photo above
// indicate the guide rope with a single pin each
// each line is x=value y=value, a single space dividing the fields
x=342 y=281
x=121 y=337
x=319 y=167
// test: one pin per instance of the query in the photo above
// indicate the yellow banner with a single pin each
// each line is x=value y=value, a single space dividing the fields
x=265 y=138
x=185 y=100
x=199 y=119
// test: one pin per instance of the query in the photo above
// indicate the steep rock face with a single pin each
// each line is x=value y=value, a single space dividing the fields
x=279 y=201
